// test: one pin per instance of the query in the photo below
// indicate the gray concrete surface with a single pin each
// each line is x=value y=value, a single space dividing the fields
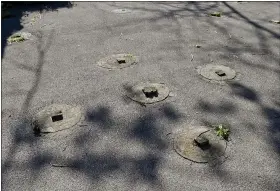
x=121 y=145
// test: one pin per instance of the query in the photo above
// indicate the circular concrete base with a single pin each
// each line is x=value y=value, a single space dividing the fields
x=121 y=11
x=118 y=61
x=55 y=118
x=216 y=72
x=185 y=147
x=136 y=93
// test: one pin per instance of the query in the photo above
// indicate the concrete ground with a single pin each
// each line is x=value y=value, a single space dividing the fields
x=122 y=145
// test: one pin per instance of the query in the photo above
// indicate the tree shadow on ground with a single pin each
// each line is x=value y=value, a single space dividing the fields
x=145 y=130
x=22 y=133
x=249 y=21
x=222 y=108
x=272 y=115
x=141 y=170
x=102 y=116
x=244 y=92
x=236 y=46
x=181 y=10
x=19 y=9
x=144 y=169
x=97 y=166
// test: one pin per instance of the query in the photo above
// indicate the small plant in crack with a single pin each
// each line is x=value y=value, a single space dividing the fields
x=15 y=38
x=222 y=131
x=216 y=14
x=129 y=56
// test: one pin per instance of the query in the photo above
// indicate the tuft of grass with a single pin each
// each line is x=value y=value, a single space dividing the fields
x=15 y=38
x=222 y=131
x=129 y=55
x=216 y=14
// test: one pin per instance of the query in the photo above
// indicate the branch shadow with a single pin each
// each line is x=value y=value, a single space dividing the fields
x=141 y=169
x=22 y=133
x=222 y=108
x=144 y=129
x=101 y=116
x=249 y=21
x=244 y=92
x=271 y=114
